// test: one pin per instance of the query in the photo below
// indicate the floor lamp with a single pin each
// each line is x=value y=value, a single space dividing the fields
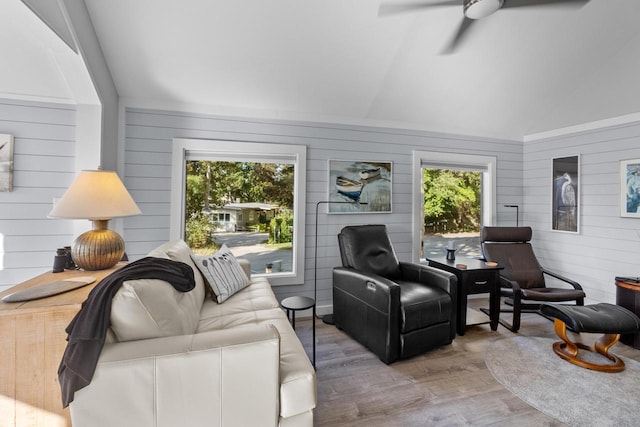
x=517 y=212
x=328 y=318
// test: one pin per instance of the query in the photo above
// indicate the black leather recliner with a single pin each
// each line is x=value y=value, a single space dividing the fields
x=396 y=309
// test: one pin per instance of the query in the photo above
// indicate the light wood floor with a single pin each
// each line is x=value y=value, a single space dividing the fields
x=450 y=386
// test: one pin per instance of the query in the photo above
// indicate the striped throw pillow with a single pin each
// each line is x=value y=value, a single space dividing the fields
x=222 y=272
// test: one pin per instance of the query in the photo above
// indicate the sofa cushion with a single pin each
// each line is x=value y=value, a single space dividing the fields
x=222 y=272
x=423 y=306
x=147 y=308
x=151 y=308
x=178 y=250
x=257 y=296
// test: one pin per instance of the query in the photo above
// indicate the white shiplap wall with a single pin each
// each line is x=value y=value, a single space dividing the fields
x=607 y=244
x=147 y=175
x=44 y=166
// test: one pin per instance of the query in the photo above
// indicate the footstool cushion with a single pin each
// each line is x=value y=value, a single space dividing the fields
x=600 y=318
x=607 y=319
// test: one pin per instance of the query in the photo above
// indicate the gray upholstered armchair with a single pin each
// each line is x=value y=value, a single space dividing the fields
x=396 y=309
x=522 y=277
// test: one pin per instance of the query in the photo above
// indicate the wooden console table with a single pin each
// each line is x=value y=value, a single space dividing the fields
x=32 y=341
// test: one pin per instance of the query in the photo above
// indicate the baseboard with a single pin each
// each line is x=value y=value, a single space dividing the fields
x=321 y=310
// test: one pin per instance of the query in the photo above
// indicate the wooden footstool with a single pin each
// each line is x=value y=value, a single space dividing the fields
x=607 y=319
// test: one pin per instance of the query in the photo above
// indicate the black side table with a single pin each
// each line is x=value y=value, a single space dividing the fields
x=475 y=278
x=297 y=303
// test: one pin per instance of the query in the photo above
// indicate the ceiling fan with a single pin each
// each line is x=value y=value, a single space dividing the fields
x=472 y=11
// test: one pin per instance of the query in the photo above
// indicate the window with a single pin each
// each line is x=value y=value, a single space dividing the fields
x=208 y=208
x=476 y=175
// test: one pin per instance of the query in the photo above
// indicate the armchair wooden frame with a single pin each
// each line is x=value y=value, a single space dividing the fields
x=568 y=350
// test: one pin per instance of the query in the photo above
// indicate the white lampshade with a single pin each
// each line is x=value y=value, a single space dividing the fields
x=95 y=195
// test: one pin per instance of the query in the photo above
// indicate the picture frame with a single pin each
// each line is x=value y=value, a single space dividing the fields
x=359 y=186
x=565 y=190
x=630 y=188
x=6 y=162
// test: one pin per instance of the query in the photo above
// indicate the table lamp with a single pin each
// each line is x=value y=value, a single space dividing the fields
x=98 y=196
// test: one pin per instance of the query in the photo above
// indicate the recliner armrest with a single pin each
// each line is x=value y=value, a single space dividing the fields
x=421 y=273
x=376 y=290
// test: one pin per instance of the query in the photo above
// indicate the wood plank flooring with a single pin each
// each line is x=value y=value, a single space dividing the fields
x=450 y=386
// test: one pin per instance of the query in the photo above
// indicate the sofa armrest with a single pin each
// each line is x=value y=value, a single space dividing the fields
x=246 y=266
x=216 y=378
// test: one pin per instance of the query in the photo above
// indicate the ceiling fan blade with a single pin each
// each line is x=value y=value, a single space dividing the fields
x=530 y=3
x=461 y=34
x=397 y=8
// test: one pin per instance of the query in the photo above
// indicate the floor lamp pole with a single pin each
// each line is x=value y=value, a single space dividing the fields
x=517 y=212
x=328 y=318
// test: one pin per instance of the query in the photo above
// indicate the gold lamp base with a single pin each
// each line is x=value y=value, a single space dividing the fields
x=99 y=248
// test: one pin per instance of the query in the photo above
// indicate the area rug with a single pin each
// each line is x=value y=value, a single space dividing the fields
x=528 y=367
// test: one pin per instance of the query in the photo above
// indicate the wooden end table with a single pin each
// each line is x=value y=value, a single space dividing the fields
x=32 y=341
x=476 y=278
x=628 y=296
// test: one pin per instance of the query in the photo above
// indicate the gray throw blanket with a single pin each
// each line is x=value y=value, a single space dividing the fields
x=88 y=329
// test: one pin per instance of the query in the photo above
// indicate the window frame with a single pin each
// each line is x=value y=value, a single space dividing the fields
x=443 y=160
x=184 y=149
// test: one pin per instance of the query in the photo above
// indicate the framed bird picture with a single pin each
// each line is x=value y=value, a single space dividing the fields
x=6 y=162
x=630 y=188
x=358 y=186
x=565 y=194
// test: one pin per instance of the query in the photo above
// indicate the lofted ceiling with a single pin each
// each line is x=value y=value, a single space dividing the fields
x=37 y=64
x=521 y=71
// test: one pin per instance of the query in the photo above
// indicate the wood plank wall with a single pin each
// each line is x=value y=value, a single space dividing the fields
x=607 y=244
x=44 y=166
x=147 y=175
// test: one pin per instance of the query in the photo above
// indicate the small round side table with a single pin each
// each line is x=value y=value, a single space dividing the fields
x=298 y=303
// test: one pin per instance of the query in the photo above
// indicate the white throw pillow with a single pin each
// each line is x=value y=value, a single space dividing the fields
x=152 y=308
x=178 y=250
x=223 y=273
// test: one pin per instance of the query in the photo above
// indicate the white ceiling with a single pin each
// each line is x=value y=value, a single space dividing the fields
x=521 y=71
x=37 y=64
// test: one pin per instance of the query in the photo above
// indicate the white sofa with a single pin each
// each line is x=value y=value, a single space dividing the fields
x=182 y=359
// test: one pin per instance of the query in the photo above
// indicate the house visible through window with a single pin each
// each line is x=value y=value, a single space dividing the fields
x=249 y=196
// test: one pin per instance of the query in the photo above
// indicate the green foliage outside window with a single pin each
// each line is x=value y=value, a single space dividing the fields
x=281 y=228
x=198 y=232
x=451 y=198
